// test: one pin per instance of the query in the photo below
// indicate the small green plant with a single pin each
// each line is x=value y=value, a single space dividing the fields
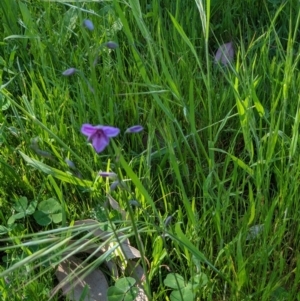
x=22 y=208
x=48 y=211
x=183 y=290
x=123 y=290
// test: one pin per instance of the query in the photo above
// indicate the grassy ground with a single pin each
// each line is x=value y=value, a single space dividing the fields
x=219 y=152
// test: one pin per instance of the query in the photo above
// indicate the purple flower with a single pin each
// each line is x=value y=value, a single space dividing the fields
x=134 y=203
x=107 y=174
x=225 y=54
x=134 y=129
x=70 y=164
x=168 y=220
x=114 y=185
x=112 y=45
x=99 y=135
x=88 y=24
x=69 y=72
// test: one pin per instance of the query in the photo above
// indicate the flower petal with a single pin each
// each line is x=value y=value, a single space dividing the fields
x=134 y=129
x=88 y=129
x=88 y=24
x=69 y=71
x=112 y=45
x=114 y=185
x=107 y=174
x=100 y=142
x=70 y=163
x=110 y=131
x=225 y=54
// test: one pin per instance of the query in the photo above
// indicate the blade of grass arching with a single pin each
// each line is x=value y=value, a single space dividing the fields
x=30 y=114
x=252 y=205
x=296 y=26
x=188 y=42
x=239 y=162
x=136 y=181
x=205 y=20
x=271 y=139
x=169 y=78
x=56 y=172
x=187 y=205
x=137 y=13
x=139 y=62
x=34 y=256
x=198 y=145
x=138 y=184
x=295 y=136
x=9 y=17
x=129 y=35
x=185 y=243
x=241 y=271
x=244 y=115
x=259 y=107
x=60 y=197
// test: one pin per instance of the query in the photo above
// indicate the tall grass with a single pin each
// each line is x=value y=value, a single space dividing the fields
x=219 y=152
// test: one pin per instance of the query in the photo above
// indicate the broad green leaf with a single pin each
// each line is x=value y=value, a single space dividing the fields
x=184 y=294
x=50 y=206
x=11 y=220
x=199 y=280
x=42 y=218
x=175 y=281
x=115 y=294
x=21 y=204
x=123 y=290
x=57 y=218
x=19 y=215
x=125 y=283
x=31 y=208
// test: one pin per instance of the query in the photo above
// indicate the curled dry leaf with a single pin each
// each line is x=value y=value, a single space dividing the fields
x=73 y=285
x=93 y=249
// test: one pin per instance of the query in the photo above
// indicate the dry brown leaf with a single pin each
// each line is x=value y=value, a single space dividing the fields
x=97 y=252
x=96 y=232
x=115 y=205
x=130 y=252
x=74 y=286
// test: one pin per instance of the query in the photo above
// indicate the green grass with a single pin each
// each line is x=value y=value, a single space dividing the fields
x=219 y=151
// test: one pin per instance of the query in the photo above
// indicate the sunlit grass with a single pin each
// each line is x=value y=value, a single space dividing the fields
x=211 y=184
